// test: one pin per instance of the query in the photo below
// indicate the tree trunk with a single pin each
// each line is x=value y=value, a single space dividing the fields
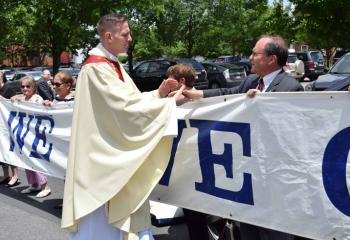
x=56 y=61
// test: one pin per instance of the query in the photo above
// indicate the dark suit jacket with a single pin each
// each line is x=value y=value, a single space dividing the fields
x=44 y=90
x=281 y=83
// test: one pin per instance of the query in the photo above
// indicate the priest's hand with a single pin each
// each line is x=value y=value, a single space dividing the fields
x=167 y=86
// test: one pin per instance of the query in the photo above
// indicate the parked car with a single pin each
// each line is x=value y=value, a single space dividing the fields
x=15 y=84
x=294 y=67
x=245 y=62
x=8 y=73
x=338 y=73
x=74 y=71
x=313 y=62
x=225 y=59
x=149 y=74
x=224 y=75
x=338 y=54
x=342 y=85
x=126 y=65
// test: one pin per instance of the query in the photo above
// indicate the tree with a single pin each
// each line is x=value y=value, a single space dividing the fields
x=279 y=21
x=183 y=22
x=323 y=23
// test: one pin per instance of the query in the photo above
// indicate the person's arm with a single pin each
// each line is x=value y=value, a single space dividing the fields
x=17 y=98
x=221 y=91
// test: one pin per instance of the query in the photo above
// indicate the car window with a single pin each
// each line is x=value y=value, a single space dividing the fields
x=142 y=68
x=316 y=56
x=342 y=66
x=164 y=65
x=154 y=67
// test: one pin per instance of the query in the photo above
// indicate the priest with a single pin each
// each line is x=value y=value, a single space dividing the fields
x=120 y=143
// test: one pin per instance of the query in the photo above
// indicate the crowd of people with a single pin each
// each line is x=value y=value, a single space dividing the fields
x=46 y=92
x=121 y=138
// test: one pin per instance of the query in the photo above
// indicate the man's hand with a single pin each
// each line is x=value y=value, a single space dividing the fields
x=193 y=94
x=252 y=92
x=349 y=88
x=179 y=97
x=167 y=86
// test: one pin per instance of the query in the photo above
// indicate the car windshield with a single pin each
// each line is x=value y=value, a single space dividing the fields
x=292 y=58
x=316 y=56
x=342 y=66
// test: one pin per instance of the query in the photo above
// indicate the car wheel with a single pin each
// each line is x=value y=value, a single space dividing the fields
x=214 y=85
x=222 y=229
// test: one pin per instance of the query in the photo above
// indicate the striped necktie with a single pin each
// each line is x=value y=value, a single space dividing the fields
x=260 y=85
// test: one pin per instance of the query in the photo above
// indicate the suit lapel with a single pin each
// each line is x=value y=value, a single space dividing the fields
x=273 y=85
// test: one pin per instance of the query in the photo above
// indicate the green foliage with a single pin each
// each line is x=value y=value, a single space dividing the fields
x=177 y=50
x=324 y=23
x=183 y=28
x=148 y=47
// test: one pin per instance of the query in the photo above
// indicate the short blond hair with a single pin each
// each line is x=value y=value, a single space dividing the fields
x=109 y=22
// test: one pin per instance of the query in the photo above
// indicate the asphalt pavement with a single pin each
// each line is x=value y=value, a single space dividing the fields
x=23 y=216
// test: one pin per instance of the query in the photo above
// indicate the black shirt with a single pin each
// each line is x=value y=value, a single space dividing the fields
x=7 y=92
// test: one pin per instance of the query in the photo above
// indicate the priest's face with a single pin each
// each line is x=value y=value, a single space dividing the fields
x=119 y=38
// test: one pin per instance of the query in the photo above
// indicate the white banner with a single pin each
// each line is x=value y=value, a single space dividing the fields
x=279 y=160
x=35 y=137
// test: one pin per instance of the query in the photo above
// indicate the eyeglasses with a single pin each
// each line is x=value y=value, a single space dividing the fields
x=56 y=84
x=256 y=53
x=25 y=86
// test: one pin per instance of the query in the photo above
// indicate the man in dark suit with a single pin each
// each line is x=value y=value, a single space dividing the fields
x=45 y=89
x=267 y=58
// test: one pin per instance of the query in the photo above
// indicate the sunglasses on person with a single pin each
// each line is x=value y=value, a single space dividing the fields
x=25 y=86
x=56 y=84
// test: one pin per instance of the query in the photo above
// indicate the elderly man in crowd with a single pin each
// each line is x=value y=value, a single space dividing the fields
x=45 y=89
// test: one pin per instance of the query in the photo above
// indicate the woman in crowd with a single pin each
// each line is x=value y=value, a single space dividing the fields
x=37 y=181
x=7 y=93
x=63 y=83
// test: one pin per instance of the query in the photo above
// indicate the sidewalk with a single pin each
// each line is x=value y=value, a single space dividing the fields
x=23 y=216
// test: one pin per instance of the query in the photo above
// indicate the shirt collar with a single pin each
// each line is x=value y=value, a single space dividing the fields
x=108 y=54
x=269 y=78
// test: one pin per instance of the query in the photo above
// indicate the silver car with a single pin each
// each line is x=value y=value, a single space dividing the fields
x=336 y=75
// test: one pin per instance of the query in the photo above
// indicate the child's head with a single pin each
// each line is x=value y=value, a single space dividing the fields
x=184 y=73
